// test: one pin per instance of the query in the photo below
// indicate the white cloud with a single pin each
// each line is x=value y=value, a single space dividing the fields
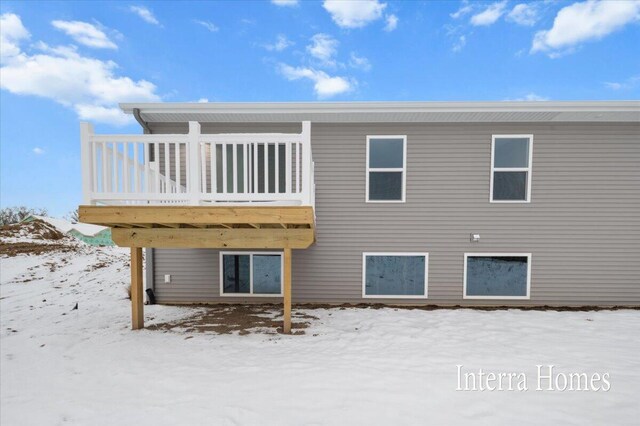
x=286 y=3
x=281 y=43
x=359 y=62
x=530 y=97
x=38 y=151
x=523 y=14
x=87 y=85
x=85 y=33
x=490 y=15
x=103 y=114
x=145 y=14
x=627 y=84
x=465 y=9
x=12 y=32
x=203 y=100
x=392 y=23
x=354 y=13
x=581 y=22
x=208 y=25
x=325 y=86
x=324 y=48
x=459 y=43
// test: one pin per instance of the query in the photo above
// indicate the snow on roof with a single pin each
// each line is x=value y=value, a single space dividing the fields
x=65 y=226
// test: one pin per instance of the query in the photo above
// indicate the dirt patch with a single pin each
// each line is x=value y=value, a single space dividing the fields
x=36 y=229
x=15 y=249
x=36 y=237
x=241 y=319
x=343 y=306
x=267 y=318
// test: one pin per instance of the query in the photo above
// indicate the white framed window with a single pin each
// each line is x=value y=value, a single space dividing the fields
x=251 y=273
x=497 y=276
x=386 y=169
x=511 y=157
x=395 y=275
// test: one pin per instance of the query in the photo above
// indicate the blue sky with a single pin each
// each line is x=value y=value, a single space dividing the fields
x=63 y=62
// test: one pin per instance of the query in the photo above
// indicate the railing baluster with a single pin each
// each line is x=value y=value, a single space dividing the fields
x=126 y=184
x=203 y=166
x=94 y=172
x=245 y=168
x=156 y=149
x=136 y=168
x=298 y=146
x=234 y=168
x=178 y=160
x=254 y=168
x=167 y=166
x=115 y=167
x=287 y=168
x=224 y=168
x=147 y=182
x=105 y=166
x=214 y=169
x=276 y=174
x=266 y=168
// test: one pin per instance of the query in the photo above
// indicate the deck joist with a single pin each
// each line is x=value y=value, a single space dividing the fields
x=269 y=227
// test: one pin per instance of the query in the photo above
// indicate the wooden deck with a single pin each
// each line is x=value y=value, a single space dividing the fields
x=265 y=227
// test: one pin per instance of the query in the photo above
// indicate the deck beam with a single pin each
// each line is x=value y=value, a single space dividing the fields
x=245 y=238
x=197 y=215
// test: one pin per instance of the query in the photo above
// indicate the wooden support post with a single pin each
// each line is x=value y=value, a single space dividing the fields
x=137 y=297
x=286 y=325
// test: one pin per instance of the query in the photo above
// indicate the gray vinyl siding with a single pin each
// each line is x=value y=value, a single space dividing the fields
x=582 y=225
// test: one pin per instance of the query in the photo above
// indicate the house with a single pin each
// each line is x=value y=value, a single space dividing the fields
x=421 y=203
x=93 y=235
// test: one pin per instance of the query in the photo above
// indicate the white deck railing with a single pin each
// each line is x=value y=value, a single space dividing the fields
x=196 y=168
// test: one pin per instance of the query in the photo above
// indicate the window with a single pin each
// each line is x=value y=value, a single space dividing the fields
x=511 y=168
x=497 y=276
x=251 y=274
x=395 y=275
x=386 y=174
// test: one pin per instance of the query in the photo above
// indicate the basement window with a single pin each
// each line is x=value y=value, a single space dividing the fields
x=386 y=169
x=250 y=274
x=394 y=275
x=497 y=276
x=511 y=168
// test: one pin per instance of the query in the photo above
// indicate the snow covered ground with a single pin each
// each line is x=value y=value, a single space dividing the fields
x=84 y=366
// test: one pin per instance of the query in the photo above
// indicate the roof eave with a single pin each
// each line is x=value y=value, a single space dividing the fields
x=364 y=107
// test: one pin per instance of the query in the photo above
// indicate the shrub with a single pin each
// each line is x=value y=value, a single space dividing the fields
x=16 y=214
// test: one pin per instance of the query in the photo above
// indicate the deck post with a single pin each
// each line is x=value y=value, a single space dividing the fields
x=306 y=162
x=86 y=153
x=137 y=305
x=286 y=325
x=193 y=163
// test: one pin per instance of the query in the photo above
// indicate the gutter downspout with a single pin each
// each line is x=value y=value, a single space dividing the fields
x=145 y=126
x=148 y=252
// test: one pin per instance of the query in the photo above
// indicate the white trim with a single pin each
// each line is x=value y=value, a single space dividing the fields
x=368 y=107
x=250 y=254
x=389 y=296
x=464 y=279
x=528 y=169
x=402 y=169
